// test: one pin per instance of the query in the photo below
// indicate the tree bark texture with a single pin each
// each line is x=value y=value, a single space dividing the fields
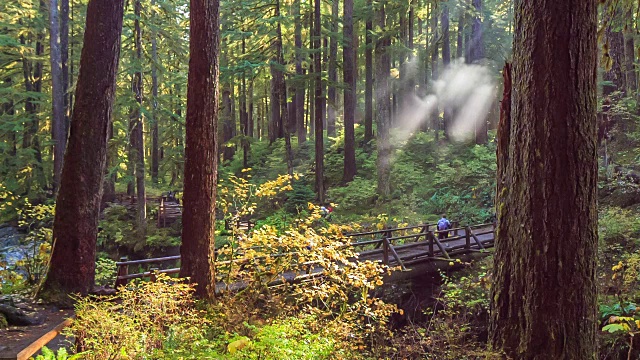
x=109 y=186
x=75 y=227
x=383 y=107
x=543 y=301
x=201 y=158
x=57 y=94
x=319 y=104
x=155 y=146
x=276 y=130
x=299 y=86
x=615 y=74
x=459 y=45
x=435 y=114
x=446 y=59
x=137 y=133
x=227 y=124
x=368 y=89
x=282 y=95
x=64 y=51
x=629 y=55
x=477 y=54
x=349 y=76
x=333 y=71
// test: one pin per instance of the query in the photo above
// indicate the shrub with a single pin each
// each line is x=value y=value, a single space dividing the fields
x=105 y=271
x=136 y=323
x=617 y=225
x=357 y=195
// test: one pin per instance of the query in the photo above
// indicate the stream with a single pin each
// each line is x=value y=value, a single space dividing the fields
x=11 y=250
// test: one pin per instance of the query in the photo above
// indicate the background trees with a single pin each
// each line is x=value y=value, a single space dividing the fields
x=154 y=53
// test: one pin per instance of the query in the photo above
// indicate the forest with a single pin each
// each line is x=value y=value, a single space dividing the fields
x=338 y=179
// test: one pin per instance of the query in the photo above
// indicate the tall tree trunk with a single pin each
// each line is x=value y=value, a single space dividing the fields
x=75 y=228
x=459 y=44
x=630 y=55
x=244 y=116
x=275 y=123
x=131 y=159
x=325 y=64
x=155 y=150
x=32 y=71
x=467 y=37
x=615 y=39
x=137 y=131
x=446 y=59
x=227 y=124
x=410 y=80
x=300 y=86
x=64 y=50
x=349 y=75
x=282 y=95
x=319 y=126
x=368 y=87
x=333 y=70
x=250 y=110
x=201 y=159
x=435 y=115
x=382 y=106
x=476 y=51
x=109 y=186
x=57 y=94
x=9 y=109
x=477 y=54
x=544 y=288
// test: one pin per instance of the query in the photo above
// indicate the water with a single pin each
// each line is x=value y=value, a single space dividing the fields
x=11 y=250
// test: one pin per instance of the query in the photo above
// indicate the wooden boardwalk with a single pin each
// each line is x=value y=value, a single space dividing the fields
x=416 y=250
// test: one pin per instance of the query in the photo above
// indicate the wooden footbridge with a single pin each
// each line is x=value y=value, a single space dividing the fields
x=416 y=250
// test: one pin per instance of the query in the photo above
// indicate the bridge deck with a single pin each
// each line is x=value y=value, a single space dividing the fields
x=415 y=253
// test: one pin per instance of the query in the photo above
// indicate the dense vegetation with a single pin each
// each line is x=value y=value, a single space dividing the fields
x=289 y=140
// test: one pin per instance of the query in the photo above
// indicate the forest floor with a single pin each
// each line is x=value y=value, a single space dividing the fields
x=16 y=338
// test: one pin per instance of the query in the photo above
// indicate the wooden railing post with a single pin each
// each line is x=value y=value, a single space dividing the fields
x=123 y=270
x=385 y=251
x=455 y=225
x=467 y=236
x=153 y=274
x=387 y=234
x=431 y=236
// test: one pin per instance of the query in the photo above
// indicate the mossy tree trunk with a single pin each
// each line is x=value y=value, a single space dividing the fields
x=75 y=227
x=544 y=294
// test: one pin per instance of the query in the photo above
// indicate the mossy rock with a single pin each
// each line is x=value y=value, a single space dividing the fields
x=623 y=197
x=3 y=322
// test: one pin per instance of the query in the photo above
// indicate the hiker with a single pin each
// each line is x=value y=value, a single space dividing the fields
x=326 y=211
x=443 y=225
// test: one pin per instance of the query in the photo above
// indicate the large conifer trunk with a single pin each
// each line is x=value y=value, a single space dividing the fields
x=75 y=226
x=383 y=106
x=544 y=293
x=349 y=75
x=201 y=158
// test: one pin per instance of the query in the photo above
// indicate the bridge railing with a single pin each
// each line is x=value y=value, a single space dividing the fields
x=387 y=245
